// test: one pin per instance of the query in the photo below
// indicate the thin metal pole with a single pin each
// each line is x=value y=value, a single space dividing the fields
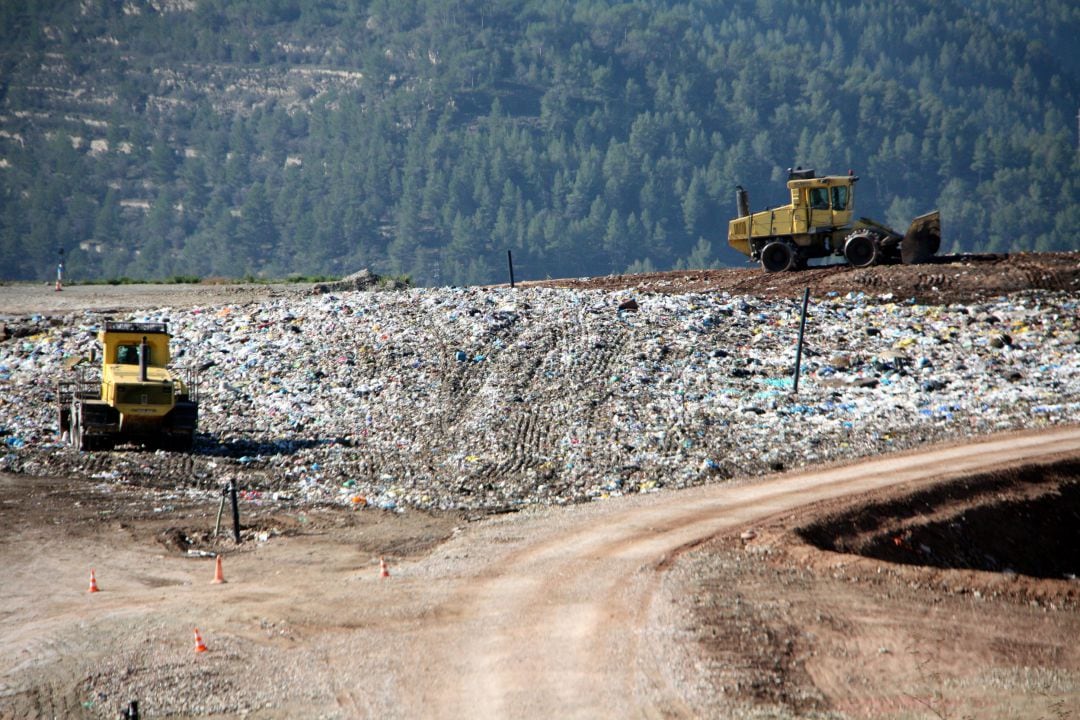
x=220 y=510
x=798 y=349
x=235 y=512
x=510 y=262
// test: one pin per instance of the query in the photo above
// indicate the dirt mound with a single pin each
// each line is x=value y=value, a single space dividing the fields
x=948 y=279
x=953 y=599
x=362 y=280
x=1010 y=534
x=1020 y=521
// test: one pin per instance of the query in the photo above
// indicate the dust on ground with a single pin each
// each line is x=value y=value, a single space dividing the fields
x=299 y=576
x=759 y=622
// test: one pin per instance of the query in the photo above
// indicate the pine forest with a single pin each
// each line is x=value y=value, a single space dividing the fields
x=156 y=139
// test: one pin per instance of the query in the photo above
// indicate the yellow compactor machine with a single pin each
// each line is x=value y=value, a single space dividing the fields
x=136 y=398
x=818 y=223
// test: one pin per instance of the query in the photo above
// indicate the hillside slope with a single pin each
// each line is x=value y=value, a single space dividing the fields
x=158 y=138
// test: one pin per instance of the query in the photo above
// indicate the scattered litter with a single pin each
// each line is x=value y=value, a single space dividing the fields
x=494 y=399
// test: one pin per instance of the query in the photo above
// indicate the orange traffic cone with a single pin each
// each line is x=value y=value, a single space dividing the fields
x=93 y=582
x=219 y=577
x=200 y=646
x=384 y=571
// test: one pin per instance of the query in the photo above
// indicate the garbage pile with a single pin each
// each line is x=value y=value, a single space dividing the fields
x=362 y=280
x=492 y=399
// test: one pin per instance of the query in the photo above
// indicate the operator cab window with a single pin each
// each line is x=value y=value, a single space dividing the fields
x=840 y=197
x=129 y=355
x=819 y=198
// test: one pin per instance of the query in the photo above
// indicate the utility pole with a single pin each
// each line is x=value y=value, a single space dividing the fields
x=436 y=270
x=798 y=347
x=60 y=271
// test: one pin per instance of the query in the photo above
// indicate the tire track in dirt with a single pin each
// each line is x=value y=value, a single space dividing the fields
x=526 y=432
x=526 y=429
x=37 y=646
x=555 y=628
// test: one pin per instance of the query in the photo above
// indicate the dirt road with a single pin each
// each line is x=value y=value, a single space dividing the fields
x=547 y=613
x=557 y=630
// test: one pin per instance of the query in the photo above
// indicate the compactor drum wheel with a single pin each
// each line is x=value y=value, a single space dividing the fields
x=79 y=437
x=777 y=257
x=181 y=443
x=861 y=249
x=78 y=434
x=63 y=422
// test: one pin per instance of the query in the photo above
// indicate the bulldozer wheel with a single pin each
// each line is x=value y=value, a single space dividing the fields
x=78 y=433
x=861 y=249
x=64 y=422
x=79 y=438
x=777 y=256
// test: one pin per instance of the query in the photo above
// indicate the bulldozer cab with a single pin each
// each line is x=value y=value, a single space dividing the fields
x=820 y=204
x=134 y=377
x=122 y=343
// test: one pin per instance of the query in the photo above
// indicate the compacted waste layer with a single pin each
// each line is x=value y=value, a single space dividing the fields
x=491 y=399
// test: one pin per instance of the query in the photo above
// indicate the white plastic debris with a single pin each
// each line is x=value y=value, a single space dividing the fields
x=496 y=398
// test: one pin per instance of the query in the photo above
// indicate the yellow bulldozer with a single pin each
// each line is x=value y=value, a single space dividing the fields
x=133 y=397
x=818 y=223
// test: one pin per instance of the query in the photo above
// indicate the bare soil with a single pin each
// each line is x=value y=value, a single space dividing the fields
x=947 y=279
x=932 y=600
x=938 y=583
x=700 y=603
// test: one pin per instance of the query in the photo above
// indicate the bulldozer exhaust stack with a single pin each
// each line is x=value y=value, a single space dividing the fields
x=144 y=356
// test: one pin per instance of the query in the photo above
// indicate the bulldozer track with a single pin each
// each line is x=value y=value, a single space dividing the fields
x=932 y=281
x=1038 y=278
x=527 y=434
x=534 y=434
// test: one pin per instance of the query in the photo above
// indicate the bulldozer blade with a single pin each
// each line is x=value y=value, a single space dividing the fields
x=923 y=239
